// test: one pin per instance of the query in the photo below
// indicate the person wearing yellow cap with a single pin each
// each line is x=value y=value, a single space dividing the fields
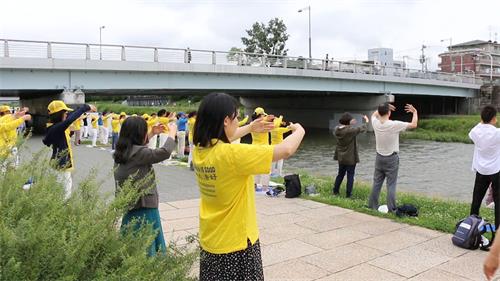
x=115 y=128
x=104 y=130
x=77 y=126
x=57 y=137
x=260 y=138
x=8 y=131
x=94 y=129
x=164 y=117
x=280 y=128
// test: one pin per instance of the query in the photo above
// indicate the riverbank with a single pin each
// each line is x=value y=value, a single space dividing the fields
x=444 y=129
x=434 y=213
x=179 y=106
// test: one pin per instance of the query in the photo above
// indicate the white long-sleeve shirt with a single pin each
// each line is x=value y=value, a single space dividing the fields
x=486 y=138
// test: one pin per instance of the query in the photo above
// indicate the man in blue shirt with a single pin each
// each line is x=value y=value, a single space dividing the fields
x=181 y=133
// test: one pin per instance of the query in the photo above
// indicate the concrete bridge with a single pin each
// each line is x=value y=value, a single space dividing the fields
x=308 y=90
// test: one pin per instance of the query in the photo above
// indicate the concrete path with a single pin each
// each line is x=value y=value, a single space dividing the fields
x=306 y=240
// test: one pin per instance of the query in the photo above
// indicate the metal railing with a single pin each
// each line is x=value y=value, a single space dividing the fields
x=88 y=51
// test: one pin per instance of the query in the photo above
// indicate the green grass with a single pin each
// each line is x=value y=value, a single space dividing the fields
x=444 y=129
x=182 y=105
x=434 y=213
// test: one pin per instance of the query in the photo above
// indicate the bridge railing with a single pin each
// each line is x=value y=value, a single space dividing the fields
x=110 y=52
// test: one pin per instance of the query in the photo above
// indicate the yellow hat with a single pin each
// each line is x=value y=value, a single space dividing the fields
x=145 y=116
x=56 y=106
x=134 y=115
x=260 y=111
x=123 y=113
x=4 y=108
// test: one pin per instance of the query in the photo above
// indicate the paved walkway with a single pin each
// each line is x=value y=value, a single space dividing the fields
x=306 y=240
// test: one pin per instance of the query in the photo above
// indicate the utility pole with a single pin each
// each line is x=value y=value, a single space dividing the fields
x=423 y=61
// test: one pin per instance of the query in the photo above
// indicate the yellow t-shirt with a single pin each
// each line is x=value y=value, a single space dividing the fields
x=115 y=125
x=277 y=135
x=164 y=121
x=105 y=120
x=94 y=122
x=8 y=132
x=260 y=138
x=151 y=122
x=77 y=125
x=224 y=174
x=191 y=122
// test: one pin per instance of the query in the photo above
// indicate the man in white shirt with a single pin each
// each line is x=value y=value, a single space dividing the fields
x=486 y=160
x=387 y=145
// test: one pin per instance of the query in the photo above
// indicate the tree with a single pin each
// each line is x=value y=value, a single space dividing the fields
x=234 y=54
x=270 y=39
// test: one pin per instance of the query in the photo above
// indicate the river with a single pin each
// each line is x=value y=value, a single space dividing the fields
x=426 y=167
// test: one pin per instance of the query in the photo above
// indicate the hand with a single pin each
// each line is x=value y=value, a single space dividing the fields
x=490 y=265
x=392 y=107
x=409 y=108
x=158 y=129
x=172 y=130
x=19 y=114
x=366 y=119
x=27 y=117
x=93 y=108
x=294 y=126
x=261 y=126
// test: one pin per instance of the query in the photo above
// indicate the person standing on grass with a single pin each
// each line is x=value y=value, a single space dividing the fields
x=134 y=161
x=387 y=158
x=486 y=160
x=57 y=137
x=229 y=236
x=346 y=151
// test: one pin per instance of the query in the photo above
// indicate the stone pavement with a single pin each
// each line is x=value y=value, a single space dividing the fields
x=306 y=240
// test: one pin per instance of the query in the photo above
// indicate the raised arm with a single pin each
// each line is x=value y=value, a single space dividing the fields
x=290 y=144
x=256 y=126
x=414 y=121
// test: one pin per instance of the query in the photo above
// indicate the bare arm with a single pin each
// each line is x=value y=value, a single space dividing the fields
x=290 y=144
x=256 y=126
x=414 y=121
x=491 y=262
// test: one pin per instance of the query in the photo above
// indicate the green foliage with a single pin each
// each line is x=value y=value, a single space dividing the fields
x=434 y=213
x=234 y=54
x=444 y=129
x=183 y=106
x=270 y=39
x=44 y=237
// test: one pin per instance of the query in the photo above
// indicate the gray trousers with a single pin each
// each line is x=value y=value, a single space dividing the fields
x=385 y=167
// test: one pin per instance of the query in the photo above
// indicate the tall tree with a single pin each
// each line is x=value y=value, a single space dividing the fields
x=270 y=39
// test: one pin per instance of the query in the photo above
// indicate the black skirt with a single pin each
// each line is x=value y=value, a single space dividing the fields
x=241 y=265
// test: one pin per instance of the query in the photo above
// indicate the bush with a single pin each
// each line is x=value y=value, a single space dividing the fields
x=44 y=237
x=444 y=129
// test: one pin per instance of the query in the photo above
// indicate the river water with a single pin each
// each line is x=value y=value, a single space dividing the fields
x=426 y=167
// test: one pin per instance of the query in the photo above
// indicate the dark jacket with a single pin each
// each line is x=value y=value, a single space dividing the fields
x=56 y=137
x=346 y=151
x=139 y=167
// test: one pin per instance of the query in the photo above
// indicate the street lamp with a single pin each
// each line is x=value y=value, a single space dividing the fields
x=308 y=8
x=100 y=41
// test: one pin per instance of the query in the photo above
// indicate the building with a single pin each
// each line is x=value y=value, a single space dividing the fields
x=473 y=58
x=384 y=57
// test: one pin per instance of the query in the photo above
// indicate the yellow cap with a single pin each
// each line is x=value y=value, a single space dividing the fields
x=145 y=116
x=56 y=106
x=260 y=111
x=4 y=108
x=123 y=113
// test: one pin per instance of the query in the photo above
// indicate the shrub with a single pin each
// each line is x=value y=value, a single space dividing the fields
x=44 y=237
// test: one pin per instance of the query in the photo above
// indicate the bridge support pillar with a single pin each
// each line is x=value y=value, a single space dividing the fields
x=38 y=105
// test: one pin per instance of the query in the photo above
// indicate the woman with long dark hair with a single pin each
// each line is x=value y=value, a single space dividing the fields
x=134 y=161
x=229 y=236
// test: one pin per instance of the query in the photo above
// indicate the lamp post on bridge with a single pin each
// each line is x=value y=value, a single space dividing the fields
x=308 y=8
x=100 y=41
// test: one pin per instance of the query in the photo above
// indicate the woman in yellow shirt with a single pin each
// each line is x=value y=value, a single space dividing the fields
x=280 y=128
x=77 y=127
x=229 y=236
x=190 y=126
x=261 y=181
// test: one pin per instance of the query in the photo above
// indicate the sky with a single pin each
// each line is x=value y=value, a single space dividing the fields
x=344 y=29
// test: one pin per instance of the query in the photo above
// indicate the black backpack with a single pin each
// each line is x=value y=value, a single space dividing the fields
x=293 y=188
x=468 y=233
x=407 y=210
